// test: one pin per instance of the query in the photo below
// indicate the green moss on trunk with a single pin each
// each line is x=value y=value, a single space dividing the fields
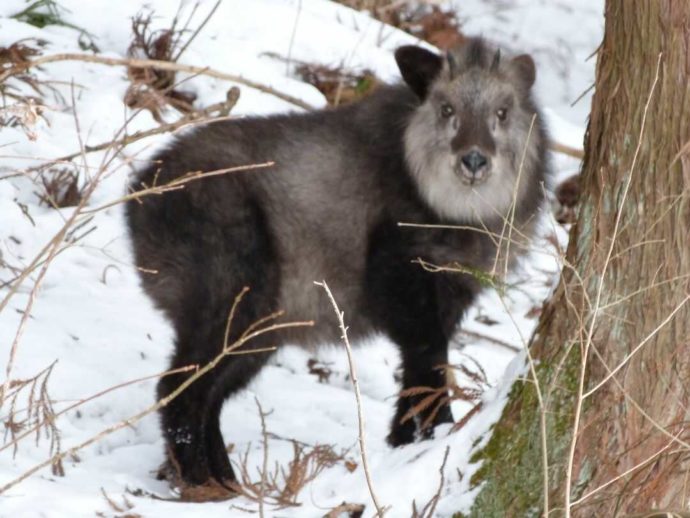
x=511 y=474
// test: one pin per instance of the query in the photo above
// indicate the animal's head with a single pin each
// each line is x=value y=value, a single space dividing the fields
x=475 y=144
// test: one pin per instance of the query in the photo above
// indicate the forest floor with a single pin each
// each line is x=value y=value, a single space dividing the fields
x=81 y=345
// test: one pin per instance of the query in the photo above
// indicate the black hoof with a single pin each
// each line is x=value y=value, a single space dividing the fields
x=401 y=434
x=409 y=431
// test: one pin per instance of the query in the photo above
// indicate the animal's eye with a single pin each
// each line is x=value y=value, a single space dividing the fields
x=447 y=110
x=502 y=113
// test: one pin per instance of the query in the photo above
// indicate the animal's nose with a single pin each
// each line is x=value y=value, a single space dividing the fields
x=474 y=161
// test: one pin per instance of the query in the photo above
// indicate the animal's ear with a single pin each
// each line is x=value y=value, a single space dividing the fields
x=525 y=69
x=419 y=67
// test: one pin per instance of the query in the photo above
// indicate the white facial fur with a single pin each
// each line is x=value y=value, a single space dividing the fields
x=433 y=166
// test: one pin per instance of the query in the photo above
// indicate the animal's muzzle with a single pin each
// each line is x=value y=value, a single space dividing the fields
x=473 y=167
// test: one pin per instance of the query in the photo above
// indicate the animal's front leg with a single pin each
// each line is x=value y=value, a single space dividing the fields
x=422 y=403
x=413 y=319
x=419 y=311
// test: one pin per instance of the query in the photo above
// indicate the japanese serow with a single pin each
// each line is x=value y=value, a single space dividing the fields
x=459 y=147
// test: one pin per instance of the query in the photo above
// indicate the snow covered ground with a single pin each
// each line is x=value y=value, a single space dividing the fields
x=91 y=318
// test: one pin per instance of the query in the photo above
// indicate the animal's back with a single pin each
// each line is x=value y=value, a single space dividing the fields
x=334 y=174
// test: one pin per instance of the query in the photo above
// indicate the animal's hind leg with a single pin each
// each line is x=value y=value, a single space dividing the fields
x=183 y=423
x=215 y=449
x=218 y=257
x=232 y=375
x=191 y=421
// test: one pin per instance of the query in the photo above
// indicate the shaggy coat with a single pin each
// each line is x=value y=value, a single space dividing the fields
x=460 y=144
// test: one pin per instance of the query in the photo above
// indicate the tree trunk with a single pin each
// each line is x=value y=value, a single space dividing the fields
x=612 y=348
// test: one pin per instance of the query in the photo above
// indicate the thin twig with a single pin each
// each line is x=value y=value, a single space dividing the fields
x=51 y=249
x=197 y=30
x=542 y=407
x=491 y=339
x=178 y=183
x=566 y=150
x=430 y=507
x=264 y=471
x=639 y=346
x=509 y=223
x=222 y=109
x=532 y=366
x=626 y=472
x=99 y=394
x=358 y=397
x=153 y=63
x=292 y=36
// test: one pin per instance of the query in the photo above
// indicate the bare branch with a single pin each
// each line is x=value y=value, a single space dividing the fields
x=358 y=397
x=153 y=63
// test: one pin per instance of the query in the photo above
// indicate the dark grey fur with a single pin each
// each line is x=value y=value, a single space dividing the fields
x=439 y=150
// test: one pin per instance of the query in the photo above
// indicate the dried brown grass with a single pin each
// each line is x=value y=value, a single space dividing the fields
x=436 y=24
x=61 y=187
x=154 y=89
x=429 y=400
x=338 y=85
x=20 y=53
x=281 y=485
x=28 y=406
x=120 y=510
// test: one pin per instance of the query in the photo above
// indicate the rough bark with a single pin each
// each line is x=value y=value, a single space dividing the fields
x=621 y=303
